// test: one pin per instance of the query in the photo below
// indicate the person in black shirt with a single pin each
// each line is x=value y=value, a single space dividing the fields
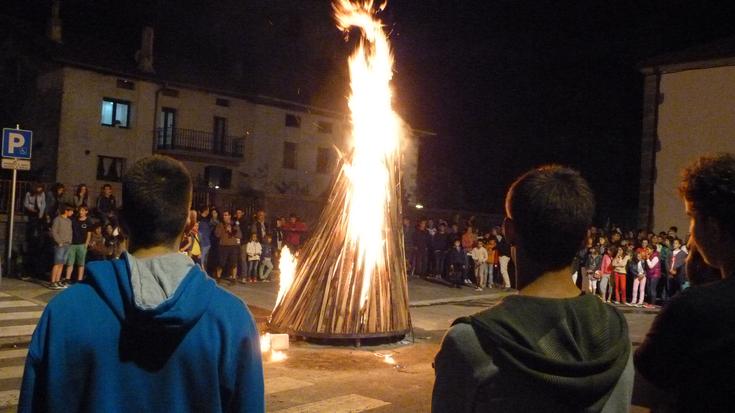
x=260 y=227
x=106 y=204
x=440 y=245
x=689 y=350
x=421 y=241
x=504 y=260
x=80 y=235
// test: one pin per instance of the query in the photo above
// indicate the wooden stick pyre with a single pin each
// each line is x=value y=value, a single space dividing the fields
x=324 y=299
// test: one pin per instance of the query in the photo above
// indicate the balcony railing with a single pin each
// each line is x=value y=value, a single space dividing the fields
x=198 y=142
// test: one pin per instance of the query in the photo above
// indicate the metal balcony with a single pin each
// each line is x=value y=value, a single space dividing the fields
x=198 y=142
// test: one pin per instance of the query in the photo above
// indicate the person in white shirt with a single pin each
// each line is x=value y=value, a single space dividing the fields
x=253 y=249
x=676 y=268
x=639 y=284
x=479 y=256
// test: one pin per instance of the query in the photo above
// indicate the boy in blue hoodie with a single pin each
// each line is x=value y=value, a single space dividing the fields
x=157 y=333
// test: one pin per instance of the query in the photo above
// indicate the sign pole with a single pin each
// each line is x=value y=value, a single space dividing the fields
x=11 y=220
x=16 y=154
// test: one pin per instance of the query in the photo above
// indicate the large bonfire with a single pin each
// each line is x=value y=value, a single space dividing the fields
x=350 y=278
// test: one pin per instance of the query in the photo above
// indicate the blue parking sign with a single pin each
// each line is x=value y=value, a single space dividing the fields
x=17 y=143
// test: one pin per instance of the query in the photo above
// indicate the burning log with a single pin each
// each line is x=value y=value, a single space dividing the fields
x=350 y=278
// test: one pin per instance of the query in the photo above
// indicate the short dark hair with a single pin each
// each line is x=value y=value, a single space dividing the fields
x=156 y=193
x=551 y=208
x=709 y=186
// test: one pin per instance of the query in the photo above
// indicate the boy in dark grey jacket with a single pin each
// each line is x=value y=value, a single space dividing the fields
x=551 y=348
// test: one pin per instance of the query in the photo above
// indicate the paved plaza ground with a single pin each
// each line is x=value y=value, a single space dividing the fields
x=314 y=377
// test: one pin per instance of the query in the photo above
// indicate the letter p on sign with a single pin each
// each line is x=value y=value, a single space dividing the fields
x=17 y=143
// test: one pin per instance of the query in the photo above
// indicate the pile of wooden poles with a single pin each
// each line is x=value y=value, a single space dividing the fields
x=324 y=300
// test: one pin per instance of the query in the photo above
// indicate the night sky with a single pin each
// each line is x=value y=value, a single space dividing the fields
x=506 y=85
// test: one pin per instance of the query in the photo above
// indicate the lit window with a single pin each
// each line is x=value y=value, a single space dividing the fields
x=115 y=113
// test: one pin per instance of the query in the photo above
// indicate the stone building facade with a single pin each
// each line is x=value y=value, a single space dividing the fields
x=689 y=98
x=252 y=152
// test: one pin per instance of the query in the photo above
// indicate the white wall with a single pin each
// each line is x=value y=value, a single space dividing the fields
x=697 y=117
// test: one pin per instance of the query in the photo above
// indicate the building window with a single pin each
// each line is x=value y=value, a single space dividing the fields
x=218 y=177
x=110 y=168
x=115 y=112
x=125 y=84
x=222 y=102
x=166 y=128
x=289 y=155
x=324 y=127
x=219 y=133
x=323 y=160
x=293 y=121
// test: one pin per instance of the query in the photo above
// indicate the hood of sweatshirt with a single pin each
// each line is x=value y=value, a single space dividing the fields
x=168 y=296
x=572 y=349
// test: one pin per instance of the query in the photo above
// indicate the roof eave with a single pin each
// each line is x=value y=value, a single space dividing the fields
x=649 y=69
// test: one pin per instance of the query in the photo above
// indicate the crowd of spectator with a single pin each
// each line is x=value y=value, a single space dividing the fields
x=459 y=254
x=237 y=247
x=642 y=269
x=634 y=268
x=69 y=230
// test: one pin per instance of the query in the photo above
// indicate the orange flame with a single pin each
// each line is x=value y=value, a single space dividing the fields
x=287 y=268
x=265 y=343
x=267 y=351
x=277 y=356
x=375 y=135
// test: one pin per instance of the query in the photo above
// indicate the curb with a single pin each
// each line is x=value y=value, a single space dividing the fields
x=450 y=300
